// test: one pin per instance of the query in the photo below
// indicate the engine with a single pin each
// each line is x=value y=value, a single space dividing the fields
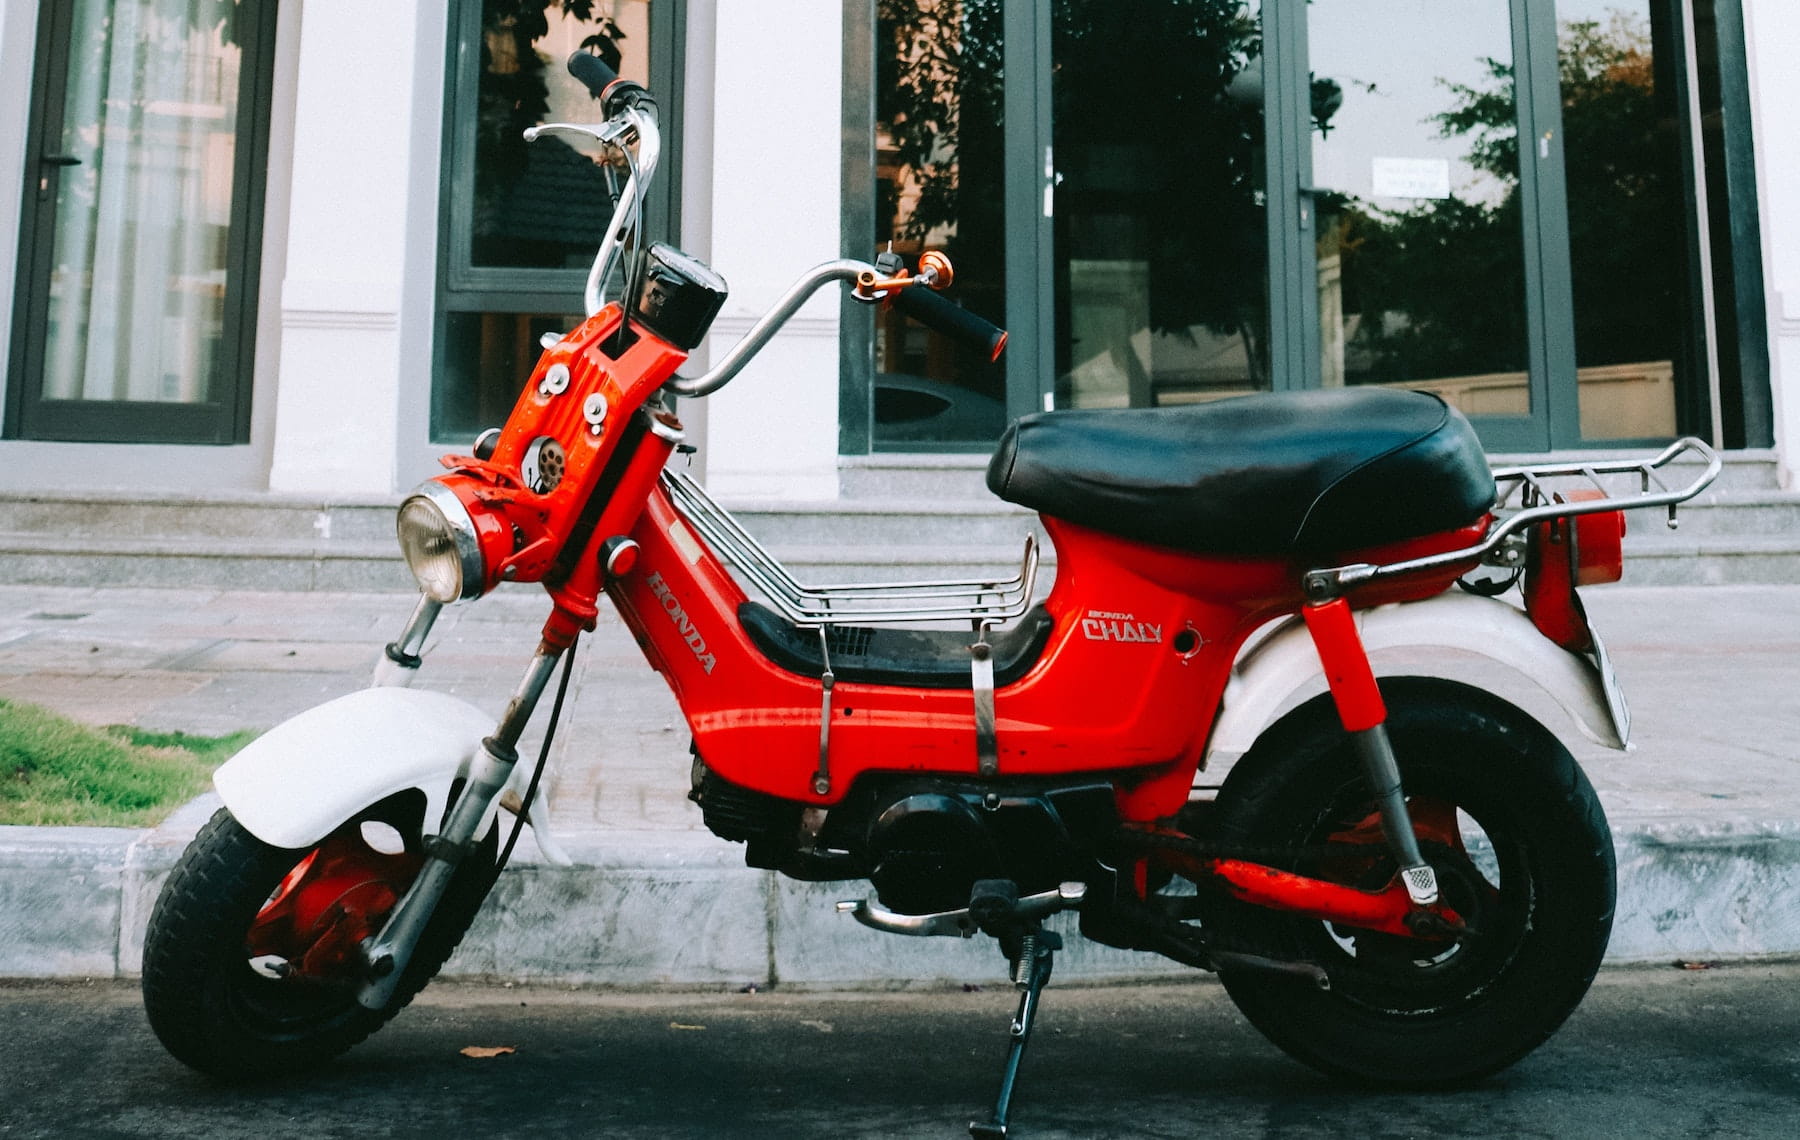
x=922 y=843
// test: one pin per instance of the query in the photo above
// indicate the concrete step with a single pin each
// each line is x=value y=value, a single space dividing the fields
x=1712 y=561
x=902 y=518
x=935 y=477
x=225 y=516
x=201 y=561
x=1743 y=514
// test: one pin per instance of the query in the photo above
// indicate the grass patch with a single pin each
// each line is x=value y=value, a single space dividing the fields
x=57 y=772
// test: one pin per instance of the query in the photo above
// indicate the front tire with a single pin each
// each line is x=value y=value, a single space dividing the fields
x=1522 y=851
x=238 y=989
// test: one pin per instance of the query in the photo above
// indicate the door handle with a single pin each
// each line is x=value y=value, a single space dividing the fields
x=59 y=160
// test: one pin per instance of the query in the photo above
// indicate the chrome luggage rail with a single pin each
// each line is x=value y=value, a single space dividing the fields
x=1523 y=492
x=981 y=601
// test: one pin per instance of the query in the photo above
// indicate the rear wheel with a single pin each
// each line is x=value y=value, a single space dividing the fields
x=251 y=960
x=1522 y=853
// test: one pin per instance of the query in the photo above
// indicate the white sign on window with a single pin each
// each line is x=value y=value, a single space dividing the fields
x=1412 y=177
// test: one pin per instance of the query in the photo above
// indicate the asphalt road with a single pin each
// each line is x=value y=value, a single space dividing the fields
x=1652 y=1053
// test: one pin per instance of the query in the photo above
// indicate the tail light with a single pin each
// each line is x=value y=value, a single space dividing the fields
x=1576 y=550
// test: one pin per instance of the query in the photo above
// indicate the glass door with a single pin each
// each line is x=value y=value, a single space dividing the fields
x=1425 y=211
x=138 y=264
x=1161 y=262
x=1497 y=195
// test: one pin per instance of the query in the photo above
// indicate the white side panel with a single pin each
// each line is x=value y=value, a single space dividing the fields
x=297 y=782
x=1283 y=664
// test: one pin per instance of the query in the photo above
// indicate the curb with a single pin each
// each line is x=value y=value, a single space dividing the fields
x=644 y=909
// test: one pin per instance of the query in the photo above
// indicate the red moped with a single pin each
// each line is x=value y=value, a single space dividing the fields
x=1402 y=879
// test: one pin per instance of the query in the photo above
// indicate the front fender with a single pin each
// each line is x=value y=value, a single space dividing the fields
x=1270 y=676
x=296 y=783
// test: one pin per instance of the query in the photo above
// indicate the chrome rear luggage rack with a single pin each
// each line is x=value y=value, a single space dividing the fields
x=984 y=602
x=1524 y=491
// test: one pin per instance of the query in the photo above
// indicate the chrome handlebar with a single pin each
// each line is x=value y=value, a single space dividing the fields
x=633 y=124
x=809 y=283
x=637 y=125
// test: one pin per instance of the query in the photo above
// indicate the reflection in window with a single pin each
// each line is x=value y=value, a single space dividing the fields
x=1160 y=209
x=520 y=242
x=939 y=185
x=487 y=358
x=137 y=290
x=1622 y=137
x=545 y=205
x=1420 y=230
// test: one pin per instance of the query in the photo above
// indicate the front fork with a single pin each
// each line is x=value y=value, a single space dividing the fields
x=1364 y=714
x=387 y=954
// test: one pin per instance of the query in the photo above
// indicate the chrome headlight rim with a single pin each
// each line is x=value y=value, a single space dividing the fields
x=472 y=567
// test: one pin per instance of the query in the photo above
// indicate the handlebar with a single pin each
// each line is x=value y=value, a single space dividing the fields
x=940 y=314
x=615 y=94
x=631 y=117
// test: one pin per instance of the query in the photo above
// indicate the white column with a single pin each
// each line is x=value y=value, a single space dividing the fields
x=340 y=370
x=1772 y=29
x=776 y=132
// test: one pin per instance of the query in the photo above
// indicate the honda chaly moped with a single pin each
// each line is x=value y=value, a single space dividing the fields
x=1402 y=879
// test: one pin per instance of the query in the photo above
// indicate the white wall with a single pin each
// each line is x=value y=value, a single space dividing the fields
x=337 y=409
x=1772 y=28
x=776 y=143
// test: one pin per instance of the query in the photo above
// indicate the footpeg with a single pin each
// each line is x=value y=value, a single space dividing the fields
x=1421 y=884
x=985 y=909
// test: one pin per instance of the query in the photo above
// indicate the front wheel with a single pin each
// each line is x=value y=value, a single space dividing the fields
x=252 y=957
x=1522 y=853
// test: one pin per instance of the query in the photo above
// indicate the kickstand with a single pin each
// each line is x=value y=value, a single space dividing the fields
x=1030 y=971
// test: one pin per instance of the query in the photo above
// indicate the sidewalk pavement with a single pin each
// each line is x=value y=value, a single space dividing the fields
x=1706 y=812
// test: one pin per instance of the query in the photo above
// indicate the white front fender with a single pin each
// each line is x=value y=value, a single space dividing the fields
x=295 y=784
x=1284 y=664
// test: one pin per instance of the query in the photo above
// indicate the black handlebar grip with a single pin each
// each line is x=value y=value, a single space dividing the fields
x=593 y=72
x=951 y=319
x=604 y=83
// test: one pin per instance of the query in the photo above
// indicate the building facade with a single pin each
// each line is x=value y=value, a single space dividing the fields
x=298 y=246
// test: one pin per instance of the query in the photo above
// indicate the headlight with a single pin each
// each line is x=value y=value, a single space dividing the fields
x=441 y=545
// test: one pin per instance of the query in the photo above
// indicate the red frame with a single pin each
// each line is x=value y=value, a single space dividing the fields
x=1127 y=688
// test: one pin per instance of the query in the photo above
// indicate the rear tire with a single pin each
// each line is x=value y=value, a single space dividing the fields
x=219 y=1008
x=1539 y=892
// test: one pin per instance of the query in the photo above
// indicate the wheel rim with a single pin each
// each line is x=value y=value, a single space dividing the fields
x=298 y=967
x=1483 y=875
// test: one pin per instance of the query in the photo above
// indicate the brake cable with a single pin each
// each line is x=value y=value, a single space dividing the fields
x=537 y=775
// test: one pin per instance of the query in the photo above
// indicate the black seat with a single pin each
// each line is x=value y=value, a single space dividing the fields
x=1281 y=474
x=876 y=655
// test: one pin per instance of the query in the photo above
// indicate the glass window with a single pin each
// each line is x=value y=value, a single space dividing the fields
x=1622 y=114
x=939 y=184
x=1420 y=237
x=1161 y=246
x=524 y=220
x=140 y=276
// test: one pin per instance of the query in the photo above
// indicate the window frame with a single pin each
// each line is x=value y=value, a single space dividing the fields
x=222 y=420
x=463 y=287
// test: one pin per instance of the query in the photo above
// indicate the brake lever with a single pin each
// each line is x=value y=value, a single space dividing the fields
x=613 y=132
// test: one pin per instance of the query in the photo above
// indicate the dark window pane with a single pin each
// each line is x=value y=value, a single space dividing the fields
x=487 y=359
x=939 y=184
x=544 y=205
x=1622 y=134
x=1160 y=209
